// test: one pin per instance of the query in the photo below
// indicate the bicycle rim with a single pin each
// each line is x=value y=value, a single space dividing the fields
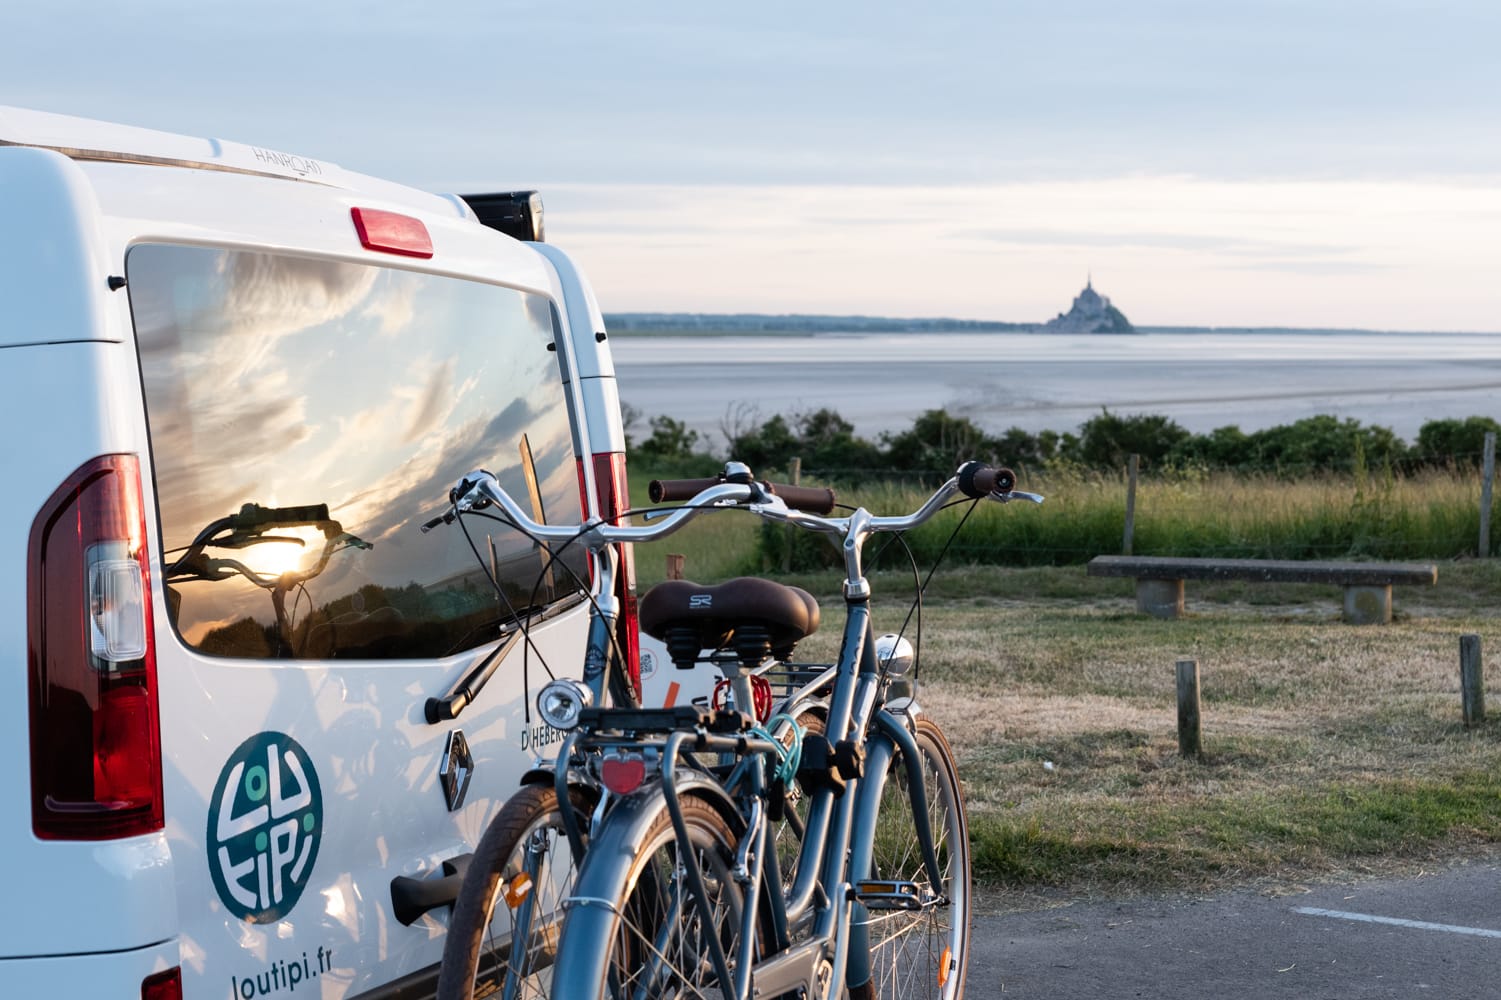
x=922 y=953
x=660 y=946
x=502 y=940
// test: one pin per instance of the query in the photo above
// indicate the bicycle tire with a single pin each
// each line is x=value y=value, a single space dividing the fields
x=922 y=953
x=482 y=933
x=646 y=952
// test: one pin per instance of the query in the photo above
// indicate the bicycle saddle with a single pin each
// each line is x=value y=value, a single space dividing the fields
x=711 y=615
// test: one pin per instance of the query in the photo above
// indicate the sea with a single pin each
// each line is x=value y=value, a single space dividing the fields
x=881 y=382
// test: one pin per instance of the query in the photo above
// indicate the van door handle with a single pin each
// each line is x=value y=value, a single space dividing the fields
x=412 y=897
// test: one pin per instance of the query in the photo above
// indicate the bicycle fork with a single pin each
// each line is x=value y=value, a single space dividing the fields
x=891 y=736
x=748 y=864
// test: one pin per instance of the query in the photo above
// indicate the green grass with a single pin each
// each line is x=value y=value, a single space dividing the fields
x=1329 y=748
x=1209 y=840
x=1434 y=515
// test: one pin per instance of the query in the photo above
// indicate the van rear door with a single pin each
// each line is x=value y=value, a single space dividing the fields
x=307 y=417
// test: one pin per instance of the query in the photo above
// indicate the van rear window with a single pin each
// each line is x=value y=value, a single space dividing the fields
x=307 y=416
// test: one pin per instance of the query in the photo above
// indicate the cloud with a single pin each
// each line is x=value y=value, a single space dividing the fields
x=1229 y=243
x=433 y=404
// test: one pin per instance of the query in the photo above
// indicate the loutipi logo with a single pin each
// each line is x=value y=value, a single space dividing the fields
x=264 y=824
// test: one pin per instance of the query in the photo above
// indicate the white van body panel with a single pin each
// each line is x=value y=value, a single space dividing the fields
x=53 y=260
x=128 y=883
x=71 y=389
x=108 y=976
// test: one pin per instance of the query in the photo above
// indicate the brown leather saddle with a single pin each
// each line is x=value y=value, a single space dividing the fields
x=755 y=617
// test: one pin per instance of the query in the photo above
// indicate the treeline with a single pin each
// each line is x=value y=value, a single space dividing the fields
x=827 y=446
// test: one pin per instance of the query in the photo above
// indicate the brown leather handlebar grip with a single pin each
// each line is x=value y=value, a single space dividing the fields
x=978 y=480
x=675 y=490
x=811 y=499
x=814 y=500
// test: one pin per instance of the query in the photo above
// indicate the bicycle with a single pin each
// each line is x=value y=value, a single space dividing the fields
x=884 y=834
x=502 y=936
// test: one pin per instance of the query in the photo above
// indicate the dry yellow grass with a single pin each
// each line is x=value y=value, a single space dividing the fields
x=1328 y=747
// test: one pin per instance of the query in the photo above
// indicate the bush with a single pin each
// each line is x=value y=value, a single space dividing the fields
x=1323 y=443
x=1108 y=440
x=1458 y=442
x=936 y=444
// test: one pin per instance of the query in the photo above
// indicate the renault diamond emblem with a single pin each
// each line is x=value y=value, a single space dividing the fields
x=455 y=769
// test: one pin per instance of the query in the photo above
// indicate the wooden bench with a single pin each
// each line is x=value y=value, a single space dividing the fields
x=1368 y=586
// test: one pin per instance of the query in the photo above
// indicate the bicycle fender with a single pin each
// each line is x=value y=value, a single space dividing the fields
x=905 y=709
x=546 y=774
x=537 y=776
x=591 y=908
x=627 y=831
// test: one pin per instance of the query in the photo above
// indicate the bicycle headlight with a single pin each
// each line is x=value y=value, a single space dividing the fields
x=894 y=653
x=562 y=701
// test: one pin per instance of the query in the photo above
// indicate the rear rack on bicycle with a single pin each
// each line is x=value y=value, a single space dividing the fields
x=664 y=720
x=788 y=679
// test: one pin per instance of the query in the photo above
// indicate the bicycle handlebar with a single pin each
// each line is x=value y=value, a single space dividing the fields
x=253 y=515
x=803 y=506
x=479 y=489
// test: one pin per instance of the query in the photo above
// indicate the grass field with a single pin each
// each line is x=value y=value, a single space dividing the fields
x=1431 y=515
x=1329 y=748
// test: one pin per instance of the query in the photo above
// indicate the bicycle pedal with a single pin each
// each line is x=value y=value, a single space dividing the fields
x=883 y=894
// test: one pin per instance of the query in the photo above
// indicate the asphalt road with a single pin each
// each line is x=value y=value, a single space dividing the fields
x=1435 y=936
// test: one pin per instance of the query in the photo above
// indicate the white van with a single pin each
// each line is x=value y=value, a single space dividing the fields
x=255 y=717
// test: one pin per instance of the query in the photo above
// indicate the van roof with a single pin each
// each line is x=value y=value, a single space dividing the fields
x=88 y=139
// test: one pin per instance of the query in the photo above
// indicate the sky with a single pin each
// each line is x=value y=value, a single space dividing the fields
x=1312 y=163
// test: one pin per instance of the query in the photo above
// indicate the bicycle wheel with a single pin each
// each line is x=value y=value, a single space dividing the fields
x=659 y=945
x=922 y=953
x=502 y=938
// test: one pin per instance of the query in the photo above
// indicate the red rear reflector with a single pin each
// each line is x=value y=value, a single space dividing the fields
x=163 y=985
x=623 y=774
x=390 y=232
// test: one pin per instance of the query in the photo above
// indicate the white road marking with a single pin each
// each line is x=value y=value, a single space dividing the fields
x=1421 y=925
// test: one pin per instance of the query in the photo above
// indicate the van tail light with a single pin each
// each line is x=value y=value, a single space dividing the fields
x=163 y=985
x=96 y=762
x=614 y=496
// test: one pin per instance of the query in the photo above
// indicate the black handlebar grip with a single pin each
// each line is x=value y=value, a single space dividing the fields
x=978 y=480
x=811 y=499
x=674 y=490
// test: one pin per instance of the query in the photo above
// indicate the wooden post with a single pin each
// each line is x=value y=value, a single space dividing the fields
x=794 y=476
x=1488 y=477
x=674 y=566
x=1189 y=742
x=1131 y=469
x=1471 y=681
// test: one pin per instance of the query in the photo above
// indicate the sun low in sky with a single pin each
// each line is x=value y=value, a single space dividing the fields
x=1268 y=163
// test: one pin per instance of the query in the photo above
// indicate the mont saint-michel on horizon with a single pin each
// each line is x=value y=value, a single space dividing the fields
x=1090 y=313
